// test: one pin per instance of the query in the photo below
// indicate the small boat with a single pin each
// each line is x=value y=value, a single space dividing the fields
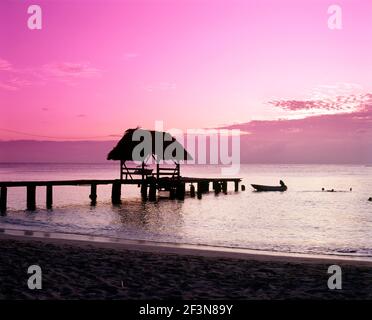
x=281 y=188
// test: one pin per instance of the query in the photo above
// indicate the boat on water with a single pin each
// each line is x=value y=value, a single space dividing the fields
x=280 y=188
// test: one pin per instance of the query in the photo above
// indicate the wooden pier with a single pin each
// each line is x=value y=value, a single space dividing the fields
x=149 y=186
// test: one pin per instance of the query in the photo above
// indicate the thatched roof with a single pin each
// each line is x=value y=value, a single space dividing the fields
x=124 y=149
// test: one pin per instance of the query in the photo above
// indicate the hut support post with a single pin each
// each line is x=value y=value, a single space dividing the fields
x=206 y=186
x=49 y=196
x=121 y=169
x=144 y=190
x=116 y=192
x=3 y=198
x=93 y=194
x=224 y=187
x=180 y=191
x=217 y=188
x=31 y=197
x=236 y=183
x=192 y=191
x=152 y=191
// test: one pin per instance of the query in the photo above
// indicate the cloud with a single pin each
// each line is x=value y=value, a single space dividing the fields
x=7 y=86
x=5 y=65
x=14 y=84
x=70 y=70
x=348 y=103
x=161 y=86
x=342 y=137
x=66 y=72
x=130 y=55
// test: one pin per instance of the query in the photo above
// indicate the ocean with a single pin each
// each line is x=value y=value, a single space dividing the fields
x=301 y=220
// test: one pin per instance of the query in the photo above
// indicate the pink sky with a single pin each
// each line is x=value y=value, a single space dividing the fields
x=99 y=67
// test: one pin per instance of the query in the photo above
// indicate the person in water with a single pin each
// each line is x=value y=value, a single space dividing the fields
x=282 y=183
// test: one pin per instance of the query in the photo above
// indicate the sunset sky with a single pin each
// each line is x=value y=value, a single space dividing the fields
x=99 y=67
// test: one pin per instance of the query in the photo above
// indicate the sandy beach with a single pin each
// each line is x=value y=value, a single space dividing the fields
x=82 y=270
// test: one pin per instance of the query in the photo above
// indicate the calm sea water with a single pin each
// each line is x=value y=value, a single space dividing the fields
x=301 y=220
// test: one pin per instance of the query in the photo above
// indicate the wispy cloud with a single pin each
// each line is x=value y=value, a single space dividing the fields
x=6 y=86
x=70 y=70
x=338 y=137
x=161 y=86
x=130 y=55
x=5 y=65
x=66 y=72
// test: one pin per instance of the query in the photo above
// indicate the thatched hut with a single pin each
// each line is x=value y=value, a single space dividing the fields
x=140 y=145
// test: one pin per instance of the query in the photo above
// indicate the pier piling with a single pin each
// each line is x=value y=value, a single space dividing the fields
x=49 y=196
x=3 y=199
x=217 y=188
x=236 y=184
x=93 y=194
x=192 y=191
x=144 y=191
x=180 y=191
x=116 y=192
x=31 y=197
x=149 y=187
x=199 y=195
x=152 y=191
x=224 y=186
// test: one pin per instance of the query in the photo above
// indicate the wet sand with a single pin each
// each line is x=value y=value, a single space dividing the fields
x=79 y=270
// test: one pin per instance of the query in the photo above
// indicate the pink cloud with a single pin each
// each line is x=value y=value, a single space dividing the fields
x=328 y=138
x=7 y=86
x=339 y=103
x=64 y=71
x=70 y=70
x=5 y=65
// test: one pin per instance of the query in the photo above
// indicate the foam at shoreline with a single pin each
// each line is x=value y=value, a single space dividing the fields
x=177 y=248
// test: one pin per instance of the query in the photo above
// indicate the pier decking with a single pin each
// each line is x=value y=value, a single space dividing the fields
x=149 y=187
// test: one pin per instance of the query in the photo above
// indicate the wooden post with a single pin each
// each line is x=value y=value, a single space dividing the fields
x=192 y=191
x=152 y=191
x=144 y=190
x=236 y=183
x=49 y=196
x=224 y=186
x=217 y=189
x=93 y=194
x=180 y=191
x=121 y=169
x=172 y=193
x=143 y=172
x=3 y=198
x=243 y=187
x=116 y=192
x=206 y=186
x=199 y=188
x=199 y=194
x=31 y=197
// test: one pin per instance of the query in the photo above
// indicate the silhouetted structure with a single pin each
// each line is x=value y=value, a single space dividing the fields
x=159 y=145
x=164 y=178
